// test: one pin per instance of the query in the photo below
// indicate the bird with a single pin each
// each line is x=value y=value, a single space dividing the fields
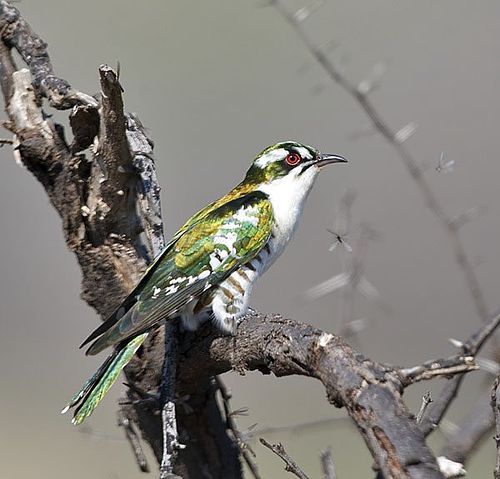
x=209 y=267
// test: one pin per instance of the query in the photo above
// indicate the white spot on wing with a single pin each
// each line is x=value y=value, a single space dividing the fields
x=171 y=289
x=204 y=274
x=156 y=292
x=214 y=262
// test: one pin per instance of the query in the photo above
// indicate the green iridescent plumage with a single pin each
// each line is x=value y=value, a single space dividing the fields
x=211 y=263
x=239 y=227
x=99 y=384
x=184 y=270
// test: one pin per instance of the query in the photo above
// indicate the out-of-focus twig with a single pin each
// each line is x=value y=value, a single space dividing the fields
x=133 y=439
x=396 y=140
x=360 y=94
x=352 y=280
x=468 y=434
x=243 y=445
x=303 y=426
x=290 y=464
x=327 y=464
x=471 y=347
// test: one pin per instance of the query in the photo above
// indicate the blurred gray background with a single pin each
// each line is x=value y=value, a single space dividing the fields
x=215 y=82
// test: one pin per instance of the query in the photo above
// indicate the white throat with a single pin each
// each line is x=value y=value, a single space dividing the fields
x=287 y=196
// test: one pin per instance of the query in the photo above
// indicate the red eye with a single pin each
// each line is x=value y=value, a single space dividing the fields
x=293 y=159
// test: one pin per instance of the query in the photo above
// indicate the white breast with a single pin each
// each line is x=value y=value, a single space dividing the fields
x=287 y=196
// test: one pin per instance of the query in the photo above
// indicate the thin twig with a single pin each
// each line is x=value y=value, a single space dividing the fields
x=495 y=404
x=327 y=464
x=16 y=33
x=360 y=95
x=471 y=347
x=112 y=252
x=426 y=400
x=290 y=464
x=301 y=427
x=243 y=445
x=133 y=439
x=466 y=436
x=449 y=224
x=434 y=368
x=342 y=228
x=293 y=349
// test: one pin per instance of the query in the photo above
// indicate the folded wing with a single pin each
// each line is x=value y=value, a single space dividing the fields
x=201 y=255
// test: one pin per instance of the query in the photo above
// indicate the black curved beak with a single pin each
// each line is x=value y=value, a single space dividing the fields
x=327 y=159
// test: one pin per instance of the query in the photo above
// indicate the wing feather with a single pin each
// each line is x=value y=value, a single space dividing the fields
x=201 y=255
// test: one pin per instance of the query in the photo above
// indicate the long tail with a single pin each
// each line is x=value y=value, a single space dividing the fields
x=93 y=391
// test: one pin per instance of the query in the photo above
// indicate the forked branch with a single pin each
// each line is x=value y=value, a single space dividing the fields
x=109 y=206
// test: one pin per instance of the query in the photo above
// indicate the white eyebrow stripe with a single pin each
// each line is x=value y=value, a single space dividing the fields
x=271 y=157
x=303 y=152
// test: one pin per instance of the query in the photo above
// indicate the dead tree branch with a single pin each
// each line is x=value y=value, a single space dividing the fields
x=171 y=444
x=360 y=96
x=426 y=400
x=471 y=347
x=327 y=464
x=246 y=450
x=16 y=33
x=370 y=392
x=109 y=206
x=471 y=431
x=290 y=464
x=495 y=404
x=133 y=440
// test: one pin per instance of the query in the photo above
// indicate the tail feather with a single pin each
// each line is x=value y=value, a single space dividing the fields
x=93 y=391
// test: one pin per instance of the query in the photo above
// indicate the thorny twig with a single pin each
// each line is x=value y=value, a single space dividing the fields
x=442 y=367
x=113 y=263
x=133 y=439
x=107 y=204
x=471 y=347
x=360 y=95
x=426 y=400
x=352 y=279
x=243 y=445
x=465 y=437
x=301 y=427
x=349 y=263
x=396 y=139
x=290 y=464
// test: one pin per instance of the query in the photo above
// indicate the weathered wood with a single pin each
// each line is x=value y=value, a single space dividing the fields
x=110 y=210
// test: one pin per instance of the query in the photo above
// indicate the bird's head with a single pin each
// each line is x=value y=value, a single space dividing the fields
x=290 y=162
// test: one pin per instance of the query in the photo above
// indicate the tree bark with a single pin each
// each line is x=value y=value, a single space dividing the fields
x=104 y=187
